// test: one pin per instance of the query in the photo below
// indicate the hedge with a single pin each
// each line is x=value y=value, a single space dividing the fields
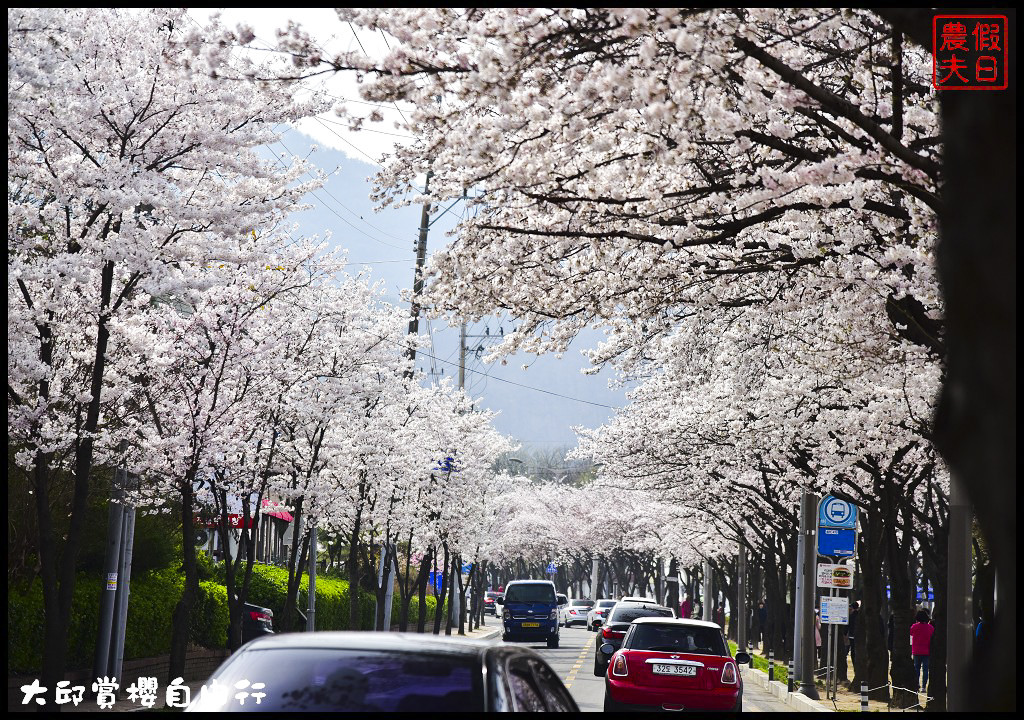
x=154 y=596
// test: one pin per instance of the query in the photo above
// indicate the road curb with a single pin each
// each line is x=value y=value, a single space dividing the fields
x=797 y=701
x=487 y=634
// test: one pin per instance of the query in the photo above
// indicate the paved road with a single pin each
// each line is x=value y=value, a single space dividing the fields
x=573 y=660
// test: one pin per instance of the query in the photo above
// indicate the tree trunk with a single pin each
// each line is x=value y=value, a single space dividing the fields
x=873 y=657
x=182 y=616
x=421 y=583
x=440 y=607
x=354 y=621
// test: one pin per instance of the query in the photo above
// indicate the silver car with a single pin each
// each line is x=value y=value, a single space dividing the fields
x=599 y=613
x=575 y=612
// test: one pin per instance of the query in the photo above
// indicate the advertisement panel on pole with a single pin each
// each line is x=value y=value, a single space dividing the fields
x=831 y=575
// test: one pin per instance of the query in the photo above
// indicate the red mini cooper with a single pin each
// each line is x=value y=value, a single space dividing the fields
x=674 y=664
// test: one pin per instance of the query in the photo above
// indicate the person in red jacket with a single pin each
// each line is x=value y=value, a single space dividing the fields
x=921 y=645
x=685 y=607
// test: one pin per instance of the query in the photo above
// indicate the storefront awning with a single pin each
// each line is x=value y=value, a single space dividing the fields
x=270 y=509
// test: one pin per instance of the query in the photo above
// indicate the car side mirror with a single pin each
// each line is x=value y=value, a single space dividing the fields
x=607 y=648
x=742 y=658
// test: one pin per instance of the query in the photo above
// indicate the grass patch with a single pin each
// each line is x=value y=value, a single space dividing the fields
x=759 y=662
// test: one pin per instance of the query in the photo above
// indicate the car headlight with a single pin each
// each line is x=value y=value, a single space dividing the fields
x=554 y=614
x=506 y=614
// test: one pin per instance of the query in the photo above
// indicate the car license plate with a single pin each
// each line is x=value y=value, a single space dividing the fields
x=684 y=670
x=531 y=624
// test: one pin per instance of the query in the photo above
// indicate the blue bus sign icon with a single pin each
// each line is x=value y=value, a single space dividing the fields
x=836 y=513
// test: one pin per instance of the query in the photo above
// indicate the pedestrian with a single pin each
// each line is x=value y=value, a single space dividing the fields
x=719 y=617
x=920 y=647
x=852 y=630
x=685 y=607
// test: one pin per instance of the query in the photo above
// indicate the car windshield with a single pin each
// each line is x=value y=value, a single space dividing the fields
x=582 y=603
x=493 y=594
x=605 y=603
x=337 y=680
x=677 y=638
x=629 y=614
x=530 y=593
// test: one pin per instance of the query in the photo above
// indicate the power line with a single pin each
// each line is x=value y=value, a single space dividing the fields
x=512 y=382
x=325 y=205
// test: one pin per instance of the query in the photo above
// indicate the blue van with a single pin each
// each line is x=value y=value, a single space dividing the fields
x=530 y=612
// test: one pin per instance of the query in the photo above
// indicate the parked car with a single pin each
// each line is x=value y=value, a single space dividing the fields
x=576 y=611
x=563 y=602
x=598 y=613
x=383 y=672
x=490 y=606
x=256 y=622
x=674 y=664
x=613 y=631
x=530 y=612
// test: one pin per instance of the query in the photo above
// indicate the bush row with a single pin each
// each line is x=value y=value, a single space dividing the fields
x=154 y=595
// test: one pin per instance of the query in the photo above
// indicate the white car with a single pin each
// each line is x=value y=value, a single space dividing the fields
x=575 y=612
x=599 y=613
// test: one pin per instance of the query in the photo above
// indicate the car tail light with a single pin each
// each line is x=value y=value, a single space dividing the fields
x=729 y=674
x=619 y=666
x=256 y=616
x=610 y=634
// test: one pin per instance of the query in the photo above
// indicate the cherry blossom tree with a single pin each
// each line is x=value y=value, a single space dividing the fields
x=125 y=169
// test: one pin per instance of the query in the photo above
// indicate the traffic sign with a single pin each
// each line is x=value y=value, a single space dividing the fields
x=835 y=610
x=833 y=512
x=837 y=542
x=552 y=569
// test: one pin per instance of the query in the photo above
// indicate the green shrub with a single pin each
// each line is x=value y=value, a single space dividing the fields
x=155 y=594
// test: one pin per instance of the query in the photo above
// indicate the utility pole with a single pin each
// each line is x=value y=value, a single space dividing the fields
x=311 y=615
x=111 y=567
x=808 y=508
x=462 y=356
x=417 y=284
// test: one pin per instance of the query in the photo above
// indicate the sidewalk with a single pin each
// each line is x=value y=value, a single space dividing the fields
x=845 y=701
x=124 y=704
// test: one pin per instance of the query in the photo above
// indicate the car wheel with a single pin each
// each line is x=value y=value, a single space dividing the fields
x=553 y=642
x=504 y=637
x=739 y=705
x=599 y=668
x=610 y=705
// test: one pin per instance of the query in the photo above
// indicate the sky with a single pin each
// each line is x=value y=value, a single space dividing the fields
x=526 y=390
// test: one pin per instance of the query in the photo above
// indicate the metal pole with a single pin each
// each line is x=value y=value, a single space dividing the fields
x=771 y=665
x=789 y=677
x=740 y=613
x=959 y=623
x=863 y=697
x=808 y=507
x=111 y=565
x=124 y=590
x=798 y=599
x=311 y=614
